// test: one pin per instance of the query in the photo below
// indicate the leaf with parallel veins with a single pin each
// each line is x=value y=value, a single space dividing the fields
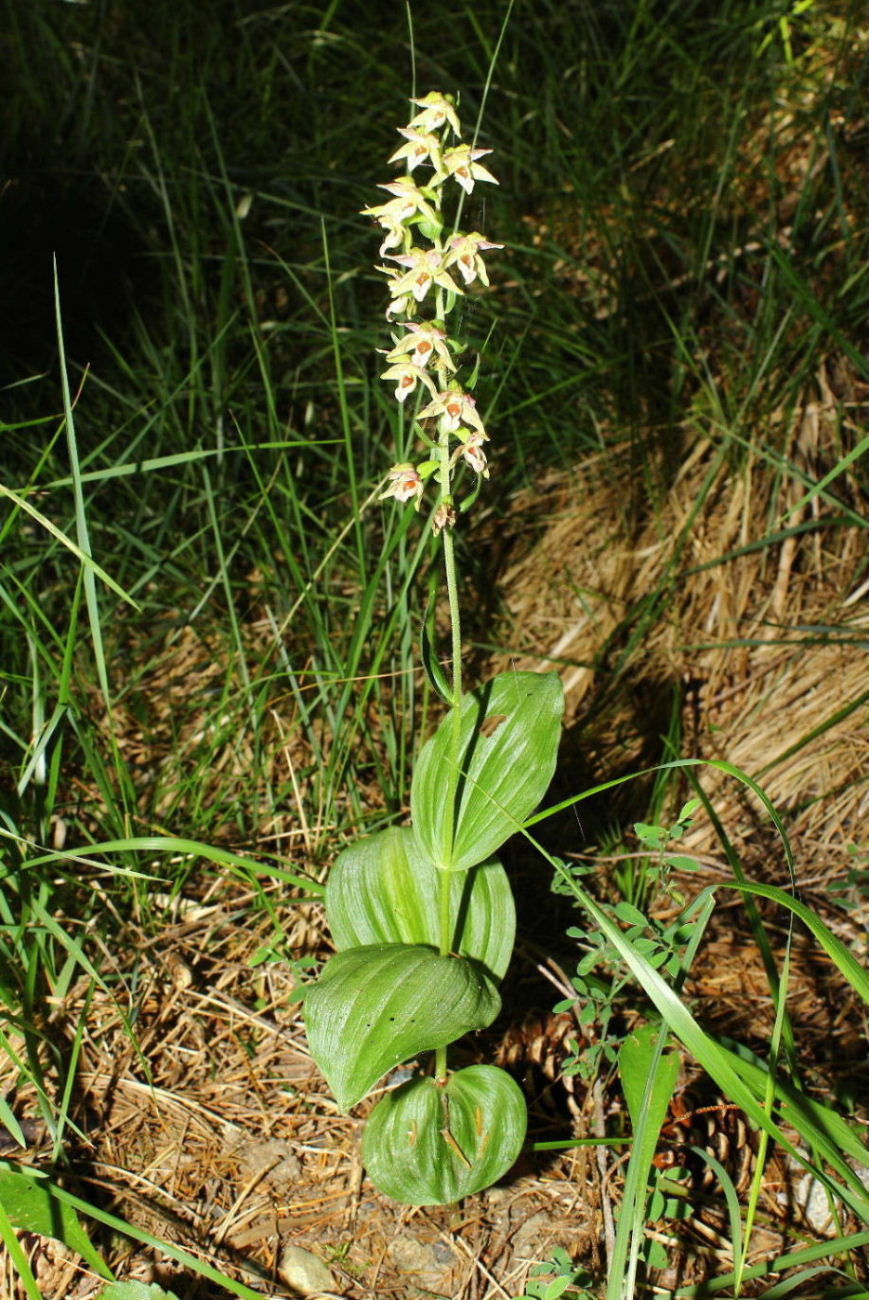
x=383 y=890
x=431 y=1144
x=377 y=1005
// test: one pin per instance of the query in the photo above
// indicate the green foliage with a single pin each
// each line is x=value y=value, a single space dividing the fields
x=135 y=1291
x=31 y=1204
x=380 y=891
x=600 y=981
x=422 y=946
x=508 y=748
x=429 y=1143
x=648 y=1078
x=376 y=1005
x=631 y=956
x=557 y=1277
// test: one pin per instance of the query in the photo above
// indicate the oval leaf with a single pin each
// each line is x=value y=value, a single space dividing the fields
x=377 y=1005
x=427 y=1144
x=382 y=890
x=510 y=733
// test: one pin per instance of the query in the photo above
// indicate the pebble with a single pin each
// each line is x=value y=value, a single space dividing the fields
x=304 y=1271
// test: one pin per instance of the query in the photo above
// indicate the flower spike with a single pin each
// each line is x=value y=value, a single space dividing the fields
x=427 y=262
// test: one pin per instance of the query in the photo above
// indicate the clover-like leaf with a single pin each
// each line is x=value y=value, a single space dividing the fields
x=379 y=1004
x=509 y=744
x=430 y=1144
x=382 y=890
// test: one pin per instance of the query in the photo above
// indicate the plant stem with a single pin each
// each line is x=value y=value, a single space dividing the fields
x=452 y=776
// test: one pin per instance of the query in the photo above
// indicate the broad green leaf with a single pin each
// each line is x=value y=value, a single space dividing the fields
x=382 y=890
x=509 y=743
x=427 y=1144
x=377 y=1005
x=31 y=1204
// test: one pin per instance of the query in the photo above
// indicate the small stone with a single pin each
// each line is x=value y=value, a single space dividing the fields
x=304 y=1271
x=411 y=1256
x=273 y=1158
x=532 y=1237
x=427 y=1263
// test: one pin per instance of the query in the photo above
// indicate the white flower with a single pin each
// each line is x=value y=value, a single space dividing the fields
x=399 y=307
x=465 y=254
x=397 y=236
x=401 y=300
x=455 y=408
x=436 y=110
x=426 y=268
x=471 y=452
x=405 y=484
x=461 y=162
x=407 y=374
x=421 y=147
x=408 y=200
x=423 y=342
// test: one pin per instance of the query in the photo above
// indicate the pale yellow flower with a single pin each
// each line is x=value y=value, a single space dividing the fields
x=405 y=484
x=426 y=268
x=401 y=301
x=423 y=341
x=436 y=110
x=421 y=147
x=461 y=162
x=408 y=200
x=408 y=375
x=464 y=252
x=471 y=452
x=455 y=408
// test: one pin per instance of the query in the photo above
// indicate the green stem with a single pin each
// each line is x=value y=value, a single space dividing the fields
x=445 y=922
x=452 y=775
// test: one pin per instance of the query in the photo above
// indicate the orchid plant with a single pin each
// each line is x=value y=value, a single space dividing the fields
x=422 y=916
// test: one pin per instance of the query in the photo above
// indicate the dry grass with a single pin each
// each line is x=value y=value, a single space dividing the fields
x=765 y=642
x=213 y=1129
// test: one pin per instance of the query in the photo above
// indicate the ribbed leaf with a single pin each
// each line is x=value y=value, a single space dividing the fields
x=377 y=1005
x=430 y=1145
x=382 y=890
x=509 y=743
